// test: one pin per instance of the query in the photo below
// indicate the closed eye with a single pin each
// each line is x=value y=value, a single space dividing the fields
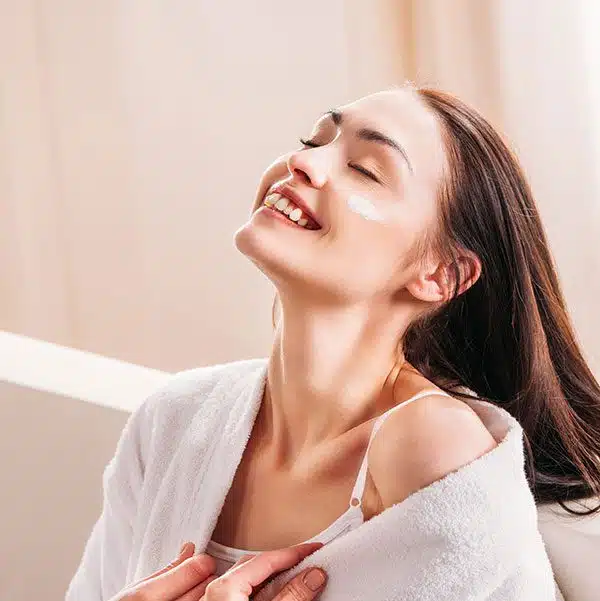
x=365 y=172
x=308 y=143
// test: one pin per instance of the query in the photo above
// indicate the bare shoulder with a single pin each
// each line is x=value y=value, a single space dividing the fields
x=423 y=442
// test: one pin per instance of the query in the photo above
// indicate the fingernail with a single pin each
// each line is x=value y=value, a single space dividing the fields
x=184 y=547
x=314 y=579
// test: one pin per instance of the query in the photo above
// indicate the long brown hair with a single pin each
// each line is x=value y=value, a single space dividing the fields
x=509 y=337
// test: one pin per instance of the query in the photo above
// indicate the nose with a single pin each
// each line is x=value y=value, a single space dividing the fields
x=310 y=166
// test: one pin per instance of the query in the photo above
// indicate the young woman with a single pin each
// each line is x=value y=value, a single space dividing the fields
x=412 y=271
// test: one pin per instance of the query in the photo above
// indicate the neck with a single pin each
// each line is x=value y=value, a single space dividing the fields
x=330 y=370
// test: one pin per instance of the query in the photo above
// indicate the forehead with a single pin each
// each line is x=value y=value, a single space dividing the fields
x=403 y=116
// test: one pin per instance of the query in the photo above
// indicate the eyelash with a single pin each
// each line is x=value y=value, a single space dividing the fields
x=365 y=172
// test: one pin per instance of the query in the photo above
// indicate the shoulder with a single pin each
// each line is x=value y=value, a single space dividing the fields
x=423 y=442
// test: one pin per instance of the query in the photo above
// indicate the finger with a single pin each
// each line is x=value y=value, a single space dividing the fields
x=187 y=550
x=198 y=591
x=304 y=586
x=254 y=571
x=179 y=580
x=242 y=560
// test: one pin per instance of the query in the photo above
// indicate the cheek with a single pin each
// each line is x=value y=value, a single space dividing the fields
x=389 y=248
x=365 y=208
x=372 y=250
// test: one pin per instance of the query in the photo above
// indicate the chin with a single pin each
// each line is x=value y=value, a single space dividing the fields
x=264 y=249
x=259 y=247
x=249 y=241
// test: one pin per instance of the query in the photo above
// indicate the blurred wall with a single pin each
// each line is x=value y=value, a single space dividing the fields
x=132 y=136
x=61 y=412
x=53 y=455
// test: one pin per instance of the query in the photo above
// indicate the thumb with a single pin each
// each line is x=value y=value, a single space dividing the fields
x=305 y=586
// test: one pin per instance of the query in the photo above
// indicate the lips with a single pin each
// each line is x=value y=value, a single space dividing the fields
x=293 y=196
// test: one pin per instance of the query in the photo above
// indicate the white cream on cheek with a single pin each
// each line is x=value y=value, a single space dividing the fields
x=365 y=208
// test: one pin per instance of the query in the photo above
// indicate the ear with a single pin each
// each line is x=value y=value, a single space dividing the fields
x=436 y=281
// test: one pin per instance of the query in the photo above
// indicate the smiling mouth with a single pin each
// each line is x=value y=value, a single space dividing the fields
x=286 y=207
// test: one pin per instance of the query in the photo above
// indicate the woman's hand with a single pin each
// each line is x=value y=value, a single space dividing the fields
x=250 y=572
x=191 y=578
x=184 y=579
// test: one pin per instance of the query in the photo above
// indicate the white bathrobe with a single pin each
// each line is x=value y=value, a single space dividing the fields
x=471 y=536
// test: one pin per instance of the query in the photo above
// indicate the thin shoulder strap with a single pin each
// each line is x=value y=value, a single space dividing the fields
x=359 y=485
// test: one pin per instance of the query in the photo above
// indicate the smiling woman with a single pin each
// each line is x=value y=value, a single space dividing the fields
x=422 y=340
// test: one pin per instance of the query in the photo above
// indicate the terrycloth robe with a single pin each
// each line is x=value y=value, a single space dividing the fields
x=471 y=536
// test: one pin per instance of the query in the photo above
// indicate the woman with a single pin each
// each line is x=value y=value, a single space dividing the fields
x=411 y=267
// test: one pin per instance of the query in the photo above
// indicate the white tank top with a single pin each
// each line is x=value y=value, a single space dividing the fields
x=225 y=556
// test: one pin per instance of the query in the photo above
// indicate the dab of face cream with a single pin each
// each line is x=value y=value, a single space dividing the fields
x=365 y=208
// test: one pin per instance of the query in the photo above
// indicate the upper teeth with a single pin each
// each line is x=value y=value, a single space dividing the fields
x=287 y=207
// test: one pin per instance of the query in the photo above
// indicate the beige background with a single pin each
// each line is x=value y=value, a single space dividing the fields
x=132 y=135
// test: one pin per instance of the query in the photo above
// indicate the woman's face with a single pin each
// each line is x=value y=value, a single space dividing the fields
x=369 y=176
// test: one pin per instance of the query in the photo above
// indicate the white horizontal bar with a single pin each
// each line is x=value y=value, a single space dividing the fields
x=77 y=374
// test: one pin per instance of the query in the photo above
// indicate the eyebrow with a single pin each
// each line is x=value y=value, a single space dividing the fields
x=371 y=135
